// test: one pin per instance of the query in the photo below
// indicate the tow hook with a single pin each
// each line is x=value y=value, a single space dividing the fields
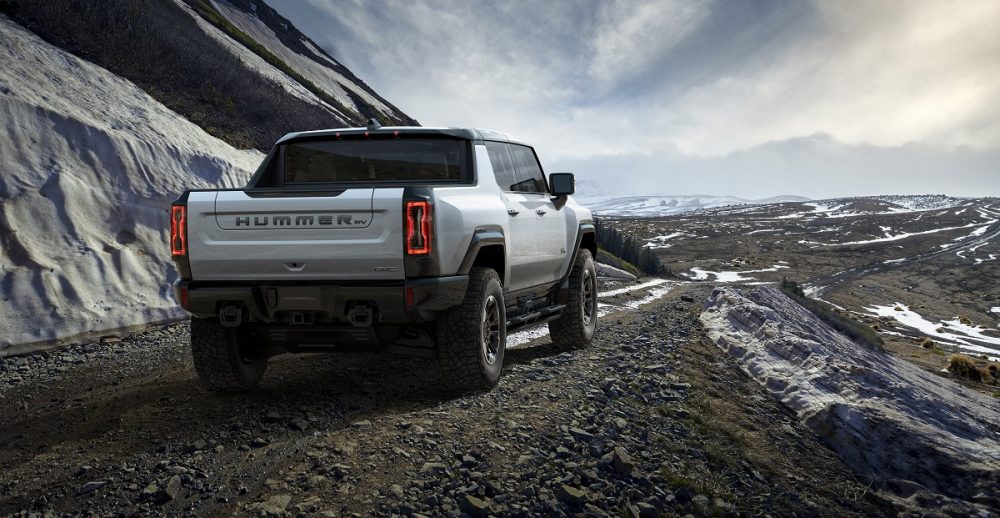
x=361 y=315
x=230 y=316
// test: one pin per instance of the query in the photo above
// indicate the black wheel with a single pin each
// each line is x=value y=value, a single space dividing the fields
x=224 y=359
x=471 y=338
x=575 y=328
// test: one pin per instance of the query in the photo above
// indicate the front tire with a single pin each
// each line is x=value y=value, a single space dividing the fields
x=472 y=337
x=575 y=328
x=224 y=359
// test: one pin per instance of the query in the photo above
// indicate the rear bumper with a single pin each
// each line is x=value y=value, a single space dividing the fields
x=412 y=300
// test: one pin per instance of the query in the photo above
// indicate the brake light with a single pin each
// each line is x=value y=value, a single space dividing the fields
x=178 y=230
x=418 y=227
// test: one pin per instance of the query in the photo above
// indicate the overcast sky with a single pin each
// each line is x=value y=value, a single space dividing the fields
x=746 y=98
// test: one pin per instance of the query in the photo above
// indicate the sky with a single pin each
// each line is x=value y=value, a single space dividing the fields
x=751 y=98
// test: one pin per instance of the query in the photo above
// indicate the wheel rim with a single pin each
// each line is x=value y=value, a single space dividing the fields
x=588 y=297
x=491 y=330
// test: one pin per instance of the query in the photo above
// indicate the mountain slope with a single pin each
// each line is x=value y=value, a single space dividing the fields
x=224 y=69
x=89 y=164
x=304 y=60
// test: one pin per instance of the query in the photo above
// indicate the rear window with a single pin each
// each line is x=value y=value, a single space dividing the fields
x=374 y=161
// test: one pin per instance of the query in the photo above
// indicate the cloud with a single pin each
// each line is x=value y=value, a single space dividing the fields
x=817 y=166
x=672 y=84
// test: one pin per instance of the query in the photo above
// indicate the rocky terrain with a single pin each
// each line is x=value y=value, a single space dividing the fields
x=651 y=419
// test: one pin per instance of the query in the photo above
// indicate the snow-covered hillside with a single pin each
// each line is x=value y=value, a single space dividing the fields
x=88 y=166
x=659 y=206
x=655 y=205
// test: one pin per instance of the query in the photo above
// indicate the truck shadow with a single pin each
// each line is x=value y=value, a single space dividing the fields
x=168 y=411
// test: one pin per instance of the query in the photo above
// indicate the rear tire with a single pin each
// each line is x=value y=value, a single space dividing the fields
x=471 y=337
x=575 y=328
x=224 y=360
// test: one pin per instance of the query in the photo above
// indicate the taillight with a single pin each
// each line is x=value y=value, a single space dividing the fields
x=418 y=227
x=178 y=230
x=184 y=297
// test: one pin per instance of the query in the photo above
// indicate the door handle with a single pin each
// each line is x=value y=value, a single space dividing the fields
x=513 y=212
x=540 y=212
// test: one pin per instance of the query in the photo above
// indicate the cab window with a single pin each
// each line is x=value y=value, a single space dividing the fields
x=503 y=165
x=529 y=172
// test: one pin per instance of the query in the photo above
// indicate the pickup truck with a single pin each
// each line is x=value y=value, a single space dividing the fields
x=433 y=242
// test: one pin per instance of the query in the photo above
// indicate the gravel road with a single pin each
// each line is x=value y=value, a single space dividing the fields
x=651 y=419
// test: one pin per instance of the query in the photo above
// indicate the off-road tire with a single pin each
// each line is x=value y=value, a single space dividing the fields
x=463 y=361
x=575 y=328
x=221 y=360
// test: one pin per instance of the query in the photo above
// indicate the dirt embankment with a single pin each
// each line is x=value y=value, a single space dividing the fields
x=651 y=419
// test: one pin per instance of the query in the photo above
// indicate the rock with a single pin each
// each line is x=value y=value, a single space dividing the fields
x=199 y=445
x=361 y=424
x=581 y=434
x=259 y=442
x=170 y=490
x=723 y=505
x=433 y=467
x=272 y=417
x=275 y=506
x=687 y=298
x=92 y=486
x=299 y=424
x=396 y=490
x=647 y=510
x=473 y=506
x=570 y=495
x=702 y=504
x=622 y=461
x=150 y=491
x=658 y=368
x=83 y=471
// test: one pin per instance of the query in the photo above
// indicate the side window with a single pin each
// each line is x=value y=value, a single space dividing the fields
x=503 y=165
x=529 y=173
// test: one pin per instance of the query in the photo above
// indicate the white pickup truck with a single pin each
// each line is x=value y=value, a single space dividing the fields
x=434 y=242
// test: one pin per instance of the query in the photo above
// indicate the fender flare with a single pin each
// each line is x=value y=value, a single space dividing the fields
x=484 y=235
x=585 y=228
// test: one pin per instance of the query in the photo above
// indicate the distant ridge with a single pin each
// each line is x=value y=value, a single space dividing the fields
x=667 y=205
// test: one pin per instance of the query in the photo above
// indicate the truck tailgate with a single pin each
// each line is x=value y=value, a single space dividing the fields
x=352 y=235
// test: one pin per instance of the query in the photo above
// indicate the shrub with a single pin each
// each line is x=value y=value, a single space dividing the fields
x=858 y=333
x=927 y=343
x=962 y=366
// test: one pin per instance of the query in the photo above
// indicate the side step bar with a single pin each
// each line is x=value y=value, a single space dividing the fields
x=535 y=317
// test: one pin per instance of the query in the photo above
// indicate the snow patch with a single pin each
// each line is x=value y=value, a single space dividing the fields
x=967 y=337
x=90 y=164
x=731 y=276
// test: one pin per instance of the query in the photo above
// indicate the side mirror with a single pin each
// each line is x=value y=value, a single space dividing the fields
x=562 y=184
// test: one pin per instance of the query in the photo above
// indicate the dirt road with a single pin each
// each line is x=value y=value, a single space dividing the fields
x=651 y=419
